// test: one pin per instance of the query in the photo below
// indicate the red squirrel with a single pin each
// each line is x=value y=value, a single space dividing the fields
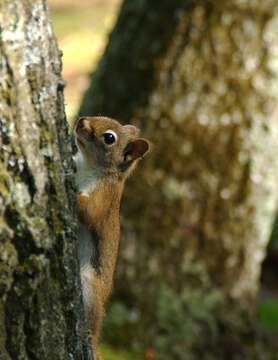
x=107 y=154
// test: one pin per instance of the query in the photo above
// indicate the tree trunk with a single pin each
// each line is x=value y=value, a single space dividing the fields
x=40 y=311
x=196 y=76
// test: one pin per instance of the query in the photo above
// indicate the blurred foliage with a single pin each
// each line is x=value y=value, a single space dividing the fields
x=110 y=353
x=119 y=322
x=268 y=314
x=185 y=319
x=195 y=322
x=180 y=321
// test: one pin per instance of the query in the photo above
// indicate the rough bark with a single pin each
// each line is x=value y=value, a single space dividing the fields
x=197 y=76
x=40 y=311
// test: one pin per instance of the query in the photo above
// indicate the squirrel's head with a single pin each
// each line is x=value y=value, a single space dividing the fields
x=109 y=146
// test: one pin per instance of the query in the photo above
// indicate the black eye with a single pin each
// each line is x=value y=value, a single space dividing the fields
x=109 y=137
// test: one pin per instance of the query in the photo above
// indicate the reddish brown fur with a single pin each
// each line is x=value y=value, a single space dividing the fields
x=99 y=210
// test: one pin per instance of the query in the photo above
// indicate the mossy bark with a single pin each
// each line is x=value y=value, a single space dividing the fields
x=40 y=310
x=197 y=76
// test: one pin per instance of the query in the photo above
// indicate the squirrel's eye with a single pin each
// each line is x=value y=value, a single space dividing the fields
x=109 y=137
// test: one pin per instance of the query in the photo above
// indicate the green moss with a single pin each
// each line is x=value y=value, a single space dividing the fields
x=8 y=261
x=6 y=94
x=4 y=187
x=45 y=138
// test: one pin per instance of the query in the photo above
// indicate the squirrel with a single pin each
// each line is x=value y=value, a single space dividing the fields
x=107 y=154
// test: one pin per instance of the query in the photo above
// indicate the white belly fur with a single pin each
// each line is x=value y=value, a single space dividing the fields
x=86 y=180
x=85 y=250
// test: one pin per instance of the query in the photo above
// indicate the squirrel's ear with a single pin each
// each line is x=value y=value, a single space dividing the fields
x=136 y=149
x=132 y=130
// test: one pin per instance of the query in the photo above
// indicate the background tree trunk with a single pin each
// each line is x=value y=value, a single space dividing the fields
x=195 y=75
x=40 y=311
